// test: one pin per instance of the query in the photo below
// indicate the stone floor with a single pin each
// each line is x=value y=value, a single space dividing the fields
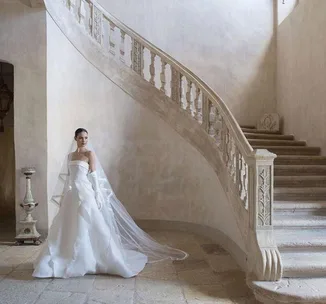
x=208 y=276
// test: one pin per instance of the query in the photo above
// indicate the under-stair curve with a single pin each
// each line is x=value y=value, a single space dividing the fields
x=192 y=108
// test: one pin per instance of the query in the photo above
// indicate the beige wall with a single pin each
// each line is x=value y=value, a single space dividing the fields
x=301 y=72
x=229 y=44
x=22 y=43
x=284 y=9
x=155 y=173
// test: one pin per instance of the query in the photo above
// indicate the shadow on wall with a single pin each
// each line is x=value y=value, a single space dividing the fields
x=7 y=152
x=266 y=73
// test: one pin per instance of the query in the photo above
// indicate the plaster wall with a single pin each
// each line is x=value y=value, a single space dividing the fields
x=229 y=44
x=23 y=44
x=301 y=71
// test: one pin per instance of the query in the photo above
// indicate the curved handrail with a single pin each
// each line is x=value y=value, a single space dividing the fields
x=231 y=121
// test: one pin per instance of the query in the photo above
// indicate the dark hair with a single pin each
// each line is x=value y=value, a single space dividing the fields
x=80 y=130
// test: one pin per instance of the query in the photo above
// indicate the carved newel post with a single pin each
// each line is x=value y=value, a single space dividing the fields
x=28 y=232
x=264 y=261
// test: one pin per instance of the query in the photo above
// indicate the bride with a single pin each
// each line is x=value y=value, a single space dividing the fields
x=92 y=232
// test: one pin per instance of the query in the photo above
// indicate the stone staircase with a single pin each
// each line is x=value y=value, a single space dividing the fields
x=299 y=202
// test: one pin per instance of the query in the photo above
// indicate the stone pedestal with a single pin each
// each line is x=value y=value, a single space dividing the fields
x=28 y=232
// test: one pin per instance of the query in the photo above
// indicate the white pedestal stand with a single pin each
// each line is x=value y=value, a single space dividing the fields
x=28 y=232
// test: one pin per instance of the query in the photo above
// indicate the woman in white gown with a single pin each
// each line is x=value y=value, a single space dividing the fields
x=92 y=232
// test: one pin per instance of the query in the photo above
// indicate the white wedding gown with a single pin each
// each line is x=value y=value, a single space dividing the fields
x=83 y=239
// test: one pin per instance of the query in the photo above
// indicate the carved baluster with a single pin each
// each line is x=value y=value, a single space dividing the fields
x=226 y=139
x=176 y=83
x=137 y=57
x=182 y=93
x=162 y=76
x=97 y=24
x=90 y=19
x=82 y=13
x=245 y=184
x=213 y=117
x=205 y=113
x=72 y=6
x=240 y=174
x=238 y=170
x=152 y=68
x=196 y=104
x=188 y=96
x=111 y=39
x=229 y=153
x=122 y=46
x=222 y=135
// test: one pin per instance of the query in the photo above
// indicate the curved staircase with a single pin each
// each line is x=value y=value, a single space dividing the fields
x=299 y=218
x=279 y=205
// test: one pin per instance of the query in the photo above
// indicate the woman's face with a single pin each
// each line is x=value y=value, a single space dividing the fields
x=82 y=139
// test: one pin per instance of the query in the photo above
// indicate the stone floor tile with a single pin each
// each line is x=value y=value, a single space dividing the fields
x=111 y=296
x=246 y=300
x=139 y=300
x=163 y=270
x=180 y=238
x=222 y=263
x=190 y=264
x=202 y=239
x=5 y=269
x=214 y=249
x=3 y=248
x=81 y=284
x=198 y=294
x=20 y=288
x=208 y=276
x=55 y=297
x=204 y=276
x=158 y=290
x=103 y=282
x=27 y=264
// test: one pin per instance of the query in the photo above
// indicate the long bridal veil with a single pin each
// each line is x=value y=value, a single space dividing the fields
x=122 y=227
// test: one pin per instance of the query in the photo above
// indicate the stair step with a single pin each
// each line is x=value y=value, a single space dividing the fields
x=298 y=239
x=290 y=150
x=299 y=206
x=260 y=131
x=248 y=127
x=299 y=170
x=293 y=220
x=299 y=194
x=304 y=264
x=300 y=181
x=300 y=160
x=291 y=290
x=250 y=135
x=275 y=142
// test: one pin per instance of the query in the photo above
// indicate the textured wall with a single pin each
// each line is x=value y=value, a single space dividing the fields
x=155 y=173
x=302 y=71
x=22 y=43
x=230 y=44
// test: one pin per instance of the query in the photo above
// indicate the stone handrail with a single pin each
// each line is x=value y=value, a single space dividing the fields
x=247 y=174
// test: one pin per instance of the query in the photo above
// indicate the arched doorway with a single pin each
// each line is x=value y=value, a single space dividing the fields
x=7 y=153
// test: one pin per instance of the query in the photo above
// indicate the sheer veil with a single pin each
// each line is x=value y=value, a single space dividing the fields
x=126 y=232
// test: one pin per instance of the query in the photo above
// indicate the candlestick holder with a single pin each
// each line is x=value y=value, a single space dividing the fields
x=28 y=232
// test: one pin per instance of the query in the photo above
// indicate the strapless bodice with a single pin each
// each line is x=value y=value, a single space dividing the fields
x=78 y=170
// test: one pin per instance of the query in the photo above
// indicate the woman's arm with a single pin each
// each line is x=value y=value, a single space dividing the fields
x=92 y=165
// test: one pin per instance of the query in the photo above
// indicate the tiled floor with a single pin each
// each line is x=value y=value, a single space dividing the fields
x=208 y=276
